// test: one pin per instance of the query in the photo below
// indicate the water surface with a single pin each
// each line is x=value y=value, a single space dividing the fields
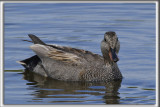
x=81 y=25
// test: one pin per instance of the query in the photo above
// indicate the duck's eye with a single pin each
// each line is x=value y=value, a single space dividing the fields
x=104 y=39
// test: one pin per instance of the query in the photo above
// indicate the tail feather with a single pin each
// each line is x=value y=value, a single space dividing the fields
x=36 y=40
x=30 y=63
x=34 y=64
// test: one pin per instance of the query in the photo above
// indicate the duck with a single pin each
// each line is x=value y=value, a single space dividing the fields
x=71 y=64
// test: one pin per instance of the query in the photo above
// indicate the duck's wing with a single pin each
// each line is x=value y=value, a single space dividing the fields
x=82 y=54
x=62 y=53
x=46 y=51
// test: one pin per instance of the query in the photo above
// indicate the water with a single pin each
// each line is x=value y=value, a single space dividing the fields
x=81 y=25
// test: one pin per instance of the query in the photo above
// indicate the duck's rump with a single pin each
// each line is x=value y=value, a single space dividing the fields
x=33 y=64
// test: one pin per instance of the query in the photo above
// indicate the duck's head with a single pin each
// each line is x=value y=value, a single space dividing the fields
x=110 y=46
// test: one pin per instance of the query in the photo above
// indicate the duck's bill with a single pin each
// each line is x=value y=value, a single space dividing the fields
x=113 y=56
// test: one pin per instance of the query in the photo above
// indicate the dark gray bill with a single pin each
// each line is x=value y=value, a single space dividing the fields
x=114 y=55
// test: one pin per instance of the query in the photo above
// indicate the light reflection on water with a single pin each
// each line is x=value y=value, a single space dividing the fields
x=81 y=26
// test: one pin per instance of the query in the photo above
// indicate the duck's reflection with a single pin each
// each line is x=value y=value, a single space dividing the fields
x=50 y=88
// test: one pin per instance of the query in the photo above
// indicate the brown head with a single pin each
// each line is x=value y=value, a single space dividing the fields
x=110 y=46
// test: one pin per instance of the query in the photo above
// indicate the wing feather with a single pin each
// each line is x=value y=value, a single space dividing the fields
x=55 y=54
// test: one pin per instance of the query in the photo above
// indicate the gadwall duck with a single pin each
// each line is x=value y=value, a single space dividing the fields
x=71 y=64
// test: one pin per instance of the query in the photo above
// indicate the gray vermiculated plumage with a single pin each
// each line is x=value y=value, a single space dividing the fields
x=71 y=64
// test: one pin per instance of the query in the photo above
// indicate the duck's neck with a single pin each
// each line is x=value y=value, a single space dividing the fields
x=107 y=61
x=110 y=64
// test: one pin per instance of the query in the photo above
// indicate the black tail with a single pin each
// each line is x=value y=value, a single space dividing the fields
x=30 y=63
x=36 y=40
